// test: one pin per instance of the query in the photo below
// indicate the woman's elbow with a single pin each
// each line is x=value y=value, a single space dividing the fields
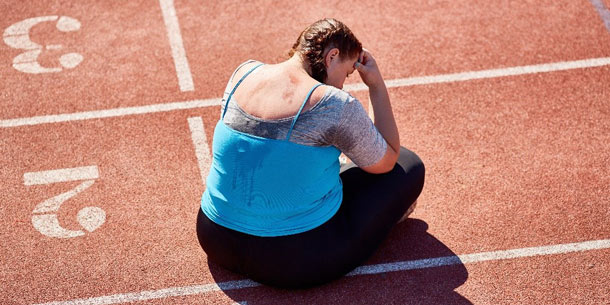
x=386 y=163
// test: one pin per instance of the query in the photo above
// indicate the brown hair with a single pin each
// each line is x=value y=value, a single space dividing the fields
x=321 y=36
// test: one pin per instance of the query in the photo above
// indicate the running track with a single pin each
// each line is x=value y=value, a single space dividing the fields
x=108 y=111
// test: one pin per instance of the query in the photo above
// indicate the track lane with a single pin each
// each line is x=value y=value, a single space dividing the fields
x=126 y=59
x=497 y=282
x=516 y=160
x=149 y=186
x=573 y=32
x=413 y=38
x=482 y=127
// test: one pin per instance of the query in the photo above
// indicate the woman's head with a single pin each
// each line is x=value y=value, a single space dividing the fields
x=330 y=49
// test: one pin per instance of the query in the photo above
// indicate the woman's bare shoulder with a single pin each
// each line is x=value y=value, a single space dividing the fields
x=243 y=68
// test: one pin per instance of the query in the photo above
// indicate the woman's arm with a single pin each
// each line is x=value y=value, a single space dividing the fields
x=382 y=109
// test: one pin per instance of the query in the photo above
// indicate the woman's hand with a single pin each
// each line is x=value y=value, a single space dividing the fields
x=368 y=70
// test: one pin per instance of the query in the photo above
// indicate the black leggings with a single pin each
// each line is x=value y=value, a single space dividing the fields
x=372 y=205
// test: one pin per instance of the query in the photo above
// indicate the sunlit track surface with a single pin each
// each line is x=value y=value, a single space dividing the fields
x=369 y=269
x=403 y=82
x=108 y=113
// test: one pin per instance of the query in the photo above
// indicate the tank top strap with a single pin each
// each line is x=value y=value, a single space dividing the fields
x=240 y=66
x=237 y=85
x=300 y=109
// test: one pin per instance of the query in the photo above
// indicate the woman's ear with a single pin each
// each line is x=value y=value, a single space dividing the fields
x=332 y=55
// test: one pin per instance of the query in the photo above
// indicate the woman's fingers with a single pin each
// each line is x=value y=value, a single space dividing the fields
x=366 y=59
x=362 y=68
x=367 y=68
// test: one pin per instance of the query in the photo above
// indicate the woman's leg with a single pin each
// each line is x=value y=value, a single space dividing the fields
x=372 y=205
x=406 y=180
x=378 y=201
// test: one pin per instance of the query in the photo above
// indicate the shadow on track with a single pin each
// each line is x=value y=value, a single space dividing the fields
x=408 y=241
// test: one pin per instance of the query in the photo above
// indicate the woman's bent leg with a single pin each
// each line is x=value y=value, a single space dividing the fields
x=405 y=182
x=376 y=202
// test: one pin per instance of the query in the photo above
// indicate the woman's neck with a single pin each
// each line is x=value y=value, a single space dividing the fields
x=297 y=62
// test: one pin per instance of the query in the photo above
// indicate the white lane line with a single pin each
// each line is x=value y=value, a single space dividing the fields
x=402 y=82
x=371 y=269
x=481 y=257
x=200 y=142
x=185 y=80
x=108 y=113
x=603 y=12
x=492 y=73
x=61 y=175
x=158 y=294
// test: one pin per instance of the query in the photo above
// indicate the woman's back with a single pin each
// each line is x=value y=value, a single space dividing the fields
x=274 y=92
x=330 y=117
x=270 y=187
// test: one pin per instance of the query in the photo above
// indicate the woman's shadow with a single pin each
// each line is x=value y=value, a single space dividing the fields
x=408 y=241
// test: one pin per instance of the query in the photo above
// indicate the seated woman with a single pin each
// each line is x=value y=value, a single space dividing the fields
x=278 y=207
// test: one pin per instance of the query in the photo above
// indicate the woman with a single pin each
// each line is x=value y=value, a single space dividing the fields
x=278 y=207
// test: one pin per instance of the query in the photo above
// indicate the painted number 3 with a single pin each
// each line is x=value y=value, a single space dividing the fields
x=18 y=37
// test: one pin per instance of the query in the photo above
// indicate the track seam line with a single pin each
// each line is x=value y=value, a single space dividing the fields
x=108 y=113
x=200 y=143
x=362 y=270
x=401 y=82
x=185 y=79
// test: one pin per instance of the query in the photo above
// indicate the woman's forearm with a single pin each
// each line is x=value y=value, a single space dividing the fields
x=383 y=115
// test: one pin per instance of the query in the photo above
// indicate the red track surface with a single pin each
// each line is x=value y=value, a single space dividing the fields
x=512 y=162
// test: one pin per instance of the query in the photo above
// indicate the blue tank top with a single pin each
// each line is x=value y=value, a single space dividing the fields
x=269 y=187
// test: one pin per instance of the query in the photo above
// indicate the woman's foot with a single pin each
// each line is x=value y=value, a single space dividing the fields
x=408 y=212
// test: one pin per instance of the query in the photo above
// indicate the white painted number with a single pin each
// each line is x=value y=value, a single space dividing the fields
x=18 y=37
x=44 y=218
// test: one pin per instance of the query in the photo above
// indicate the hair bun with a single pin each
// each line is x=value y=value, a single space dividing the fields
x=321 y=36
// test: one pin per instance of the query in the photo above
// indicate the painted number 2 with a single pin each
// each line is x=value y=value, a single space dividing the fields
x=44 y=218
x=18 y=37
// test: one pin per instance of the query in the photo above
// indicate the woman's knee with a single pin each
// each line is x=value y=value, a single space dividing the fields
x=411 y=163
x=414 y=173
